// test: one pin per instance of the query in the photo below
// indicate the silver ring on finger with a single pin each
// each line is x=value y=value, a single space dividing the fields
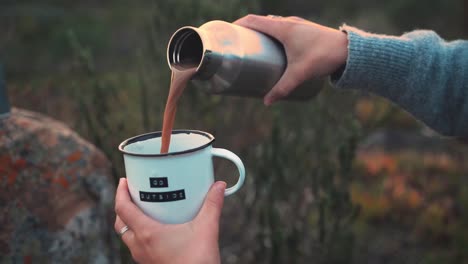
x=274 y=16
x=123 y=230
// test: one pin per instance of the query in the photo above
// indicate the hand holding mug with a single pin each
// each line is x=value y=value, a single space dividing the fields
x=150 y=241
x=168 y=208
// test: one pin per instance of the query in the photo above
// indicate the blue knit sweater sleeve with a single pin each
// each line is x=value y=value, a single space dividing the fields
x=419 y=71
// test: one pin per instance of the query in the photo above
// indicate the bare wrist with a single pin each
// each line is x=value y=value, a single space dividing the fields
x=340 y=55
x=342 y=49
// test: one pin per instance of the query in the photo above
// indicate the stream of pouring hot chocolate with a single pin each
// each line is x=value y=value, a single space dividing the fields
x=179 y=80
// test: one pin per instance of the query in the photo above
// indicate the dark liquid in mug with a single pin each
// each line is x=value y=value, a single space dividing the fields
x=179 y=80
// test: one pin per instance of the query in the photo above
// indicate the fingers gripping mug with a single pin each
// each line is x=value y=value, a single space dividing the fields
x=171 y=187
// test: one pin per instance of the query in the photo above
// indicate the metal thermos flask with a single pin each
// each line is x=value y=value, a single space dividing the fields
x=233 y=60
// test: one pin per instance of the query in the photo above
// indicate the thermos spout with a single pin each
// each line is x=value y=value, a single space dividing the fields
x=185 y=49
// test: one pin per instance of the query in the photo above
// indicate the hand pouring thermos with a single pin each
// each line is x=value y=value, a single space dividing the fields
x=233 y=60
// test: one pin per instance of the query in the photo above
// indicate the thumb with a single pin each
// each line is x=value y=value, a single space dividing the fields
x=211 y=209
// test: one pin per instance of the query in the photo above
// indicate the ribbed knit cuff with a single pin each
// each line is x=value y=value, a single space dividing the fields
x=375 y=63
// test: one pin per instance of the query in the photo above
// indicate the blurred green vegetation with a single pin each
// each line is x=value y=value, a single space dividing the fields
x=322 y=185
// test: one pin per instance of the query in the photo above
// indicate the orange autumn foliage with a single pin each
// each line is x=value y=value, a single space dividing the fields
x=375 y=162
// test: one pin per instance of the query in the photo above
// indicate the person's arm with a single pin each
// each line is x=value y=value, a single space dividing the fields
x=419 y=71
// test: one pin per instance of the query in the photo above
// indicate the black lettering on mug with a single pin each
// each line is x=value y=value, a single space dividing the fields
x=158 y=182
x=158 y=197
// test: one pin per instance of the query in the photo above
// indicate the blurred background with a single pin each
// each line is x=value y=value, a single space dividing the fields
x=344 y=178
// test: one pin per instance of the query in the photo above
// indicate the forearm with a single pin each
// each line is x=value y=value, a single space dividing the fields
x=419 y=71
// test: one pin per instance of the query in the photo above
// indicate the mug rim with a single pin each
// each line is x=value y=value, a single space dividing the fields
x=156 y=134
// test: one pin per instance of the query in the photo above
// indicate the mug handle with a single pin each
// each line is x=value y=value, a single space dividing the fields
x=224 y=153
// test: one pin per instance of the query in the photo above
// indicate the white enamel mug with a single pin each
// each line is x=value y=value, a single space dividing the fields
x=171 y=187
